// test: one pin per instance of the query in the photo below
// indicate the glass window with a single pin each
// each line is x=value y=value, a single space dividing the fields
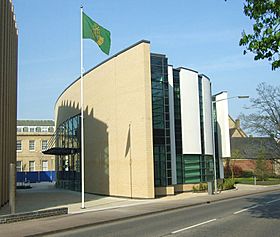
x=44 y=145
x=19 y=147
x=19 y=129
x=31 y=129
x=31 y=145
x=44 y=129
x=51 y=129
x=32 y=165
x=45 y=165
x=25 y=129
x=19 y=166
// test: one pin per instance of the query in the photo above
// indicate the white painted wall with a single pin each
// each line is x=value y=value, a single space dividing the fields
x=172 y=125
x=223 y=125
x=207 y=115
x=223 y=128
x=190 y=117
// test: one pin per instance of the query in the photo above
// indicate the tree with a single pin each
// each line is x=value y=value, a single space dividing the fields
x=230 y=168
x=264 y=42
x=261 y=170
x=265 y=120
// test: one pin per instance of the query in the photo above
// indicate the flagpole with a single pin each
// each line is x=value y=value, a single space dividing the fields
x=82 y=119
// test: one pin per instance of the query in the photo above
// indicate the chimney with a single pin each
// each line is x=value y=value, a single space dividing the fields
x=237 y=123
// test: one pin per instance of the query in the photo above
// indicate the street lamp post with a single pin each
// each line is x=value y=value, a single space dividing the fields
x=213 y=137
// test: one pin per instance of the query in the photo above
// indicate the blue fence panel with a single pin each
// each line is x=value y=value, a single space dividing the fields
x=36 y=176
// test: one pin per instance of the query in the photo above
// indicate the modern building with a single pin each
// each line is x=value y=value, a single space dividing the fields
x=32 y=138
x=8 y=94
x=148 y=127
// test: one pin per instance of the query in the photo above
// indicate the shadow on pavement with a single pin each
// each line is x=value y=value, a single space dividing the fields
x=268 y=206
x=43 y=196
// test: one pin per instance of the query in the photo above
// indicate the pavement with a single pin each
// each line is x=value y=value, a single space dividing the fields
x=101 y=209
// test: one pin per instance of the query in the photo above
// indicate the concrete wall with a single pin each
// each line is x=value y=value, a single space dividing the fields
x=8 y=94
x=118 y=124
x=25 y=155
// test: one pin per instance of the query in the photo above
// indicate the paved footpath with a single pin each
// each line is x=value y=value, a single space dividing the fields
x=107 y=209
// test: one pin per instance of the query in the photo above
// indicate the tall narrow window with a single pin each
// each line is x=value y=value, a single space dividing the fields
x=32 y=165
x=44 y=145
x=19 y=146
x=31 y=145
x=45 y=165
x=19 y=166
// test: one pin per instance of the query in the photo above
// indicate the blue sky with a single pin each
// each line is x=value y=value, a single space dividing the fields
x=202 y=35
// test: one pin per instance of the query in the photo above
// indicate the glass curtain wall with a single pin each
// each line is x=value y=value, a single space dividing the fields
x=68 y=166
x=191 y=168
x=178 y=127
x=216 y=139
x=161 y=123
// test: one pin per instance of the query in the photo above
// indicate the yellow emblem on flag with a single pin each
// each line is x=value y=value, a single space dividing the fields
x=97 y=35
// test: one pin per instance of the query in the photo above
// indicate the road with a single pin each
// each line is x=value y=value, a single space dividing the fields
x=255 y=215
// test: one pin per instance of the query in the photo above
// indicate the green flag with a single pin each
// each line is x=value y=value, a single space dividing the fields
x=94 y=31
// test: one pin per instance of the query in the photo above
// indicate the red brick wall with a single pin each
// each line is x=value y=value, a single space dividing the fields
x=250 y=165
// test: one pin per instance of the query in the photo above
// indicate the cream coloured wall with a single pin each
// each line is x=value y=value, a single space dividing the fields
x=118 y=124
x=25 y=155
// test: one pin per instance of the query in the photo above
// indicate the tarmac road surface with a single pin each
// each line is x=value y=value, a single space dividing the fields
x=251 y=216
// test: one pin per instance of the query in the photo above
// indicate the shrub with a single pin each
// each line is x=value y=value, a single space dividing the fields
x=200 y=187
x=247 y=174
x=228 y=184
x=194 y=188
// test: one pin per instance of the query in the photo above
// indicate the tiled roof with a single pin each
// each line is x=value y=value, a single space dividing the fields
x=35 y=123
x=250 y=147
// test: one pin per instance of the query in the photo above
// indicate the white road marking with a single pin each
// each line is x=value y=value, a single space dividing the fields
x=246 y=209
x=274 y=200
x=202 y=223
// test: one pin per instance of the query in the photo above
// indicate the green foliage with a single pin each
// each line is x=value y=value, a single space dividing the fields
x=247 y=174
x=232 y=170
x=228 y=184
x=264 y=42
x=201 y=187
x=261 y=170
x=265 y=120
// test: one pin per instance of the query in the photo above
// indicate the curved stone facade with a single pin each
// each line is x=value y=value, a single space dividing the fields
x=148 y=127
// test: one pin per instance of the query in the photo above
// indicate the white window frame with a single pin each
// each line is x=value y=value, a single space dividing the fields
x=44 y=146
x=19 y=162
x=30 y=149
x=45 y=165
x=30 y=162
x=19 y=144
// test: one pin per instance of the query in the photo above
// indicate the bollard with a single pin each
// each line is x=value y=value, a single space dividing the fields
x=12 y=188
x=210 y=187
x=255 y=180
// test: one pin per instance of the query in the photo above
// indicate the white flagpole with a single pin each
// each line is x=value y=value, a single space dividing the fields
x=82 y=119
